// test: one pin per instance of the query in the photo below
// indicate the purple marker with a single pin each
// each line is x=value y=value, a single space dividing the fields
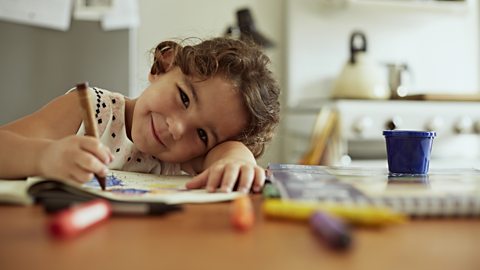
x=332 y=229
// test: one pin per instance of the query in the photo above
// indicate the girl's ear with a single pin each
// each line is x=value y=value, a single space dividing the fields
x=162 y=63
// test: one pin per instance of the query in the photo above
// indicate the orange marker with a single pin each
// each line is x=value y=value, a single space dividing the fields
x=73 y=221
x=242 y=216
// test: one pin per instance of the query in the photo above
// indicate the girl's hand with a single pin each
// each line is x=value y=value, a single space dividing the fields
x=75 y=158
x=224 y=174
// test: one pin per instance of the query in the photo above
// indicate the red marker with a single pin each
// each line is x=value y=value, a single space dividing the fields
x=79 y=218
x=242 y=216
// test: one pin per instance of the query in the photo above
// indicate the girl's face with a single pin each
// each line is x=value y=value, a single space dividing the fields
x=178 y=118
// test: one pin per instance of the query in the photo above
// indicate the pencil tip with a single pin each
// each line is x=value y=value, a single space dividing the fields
x=102 y=181
x=83 y=85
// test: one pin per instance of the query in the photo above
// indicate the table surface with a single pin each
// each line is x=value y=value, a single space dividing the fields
x=201 y=237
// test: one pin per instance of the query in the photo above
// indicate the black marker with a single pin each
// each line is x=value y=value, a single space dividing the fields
x=118 y=208
x=140 y=208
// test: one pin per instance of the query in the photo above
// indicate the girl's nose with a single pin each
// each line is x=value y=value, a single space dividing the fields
x=176 y=127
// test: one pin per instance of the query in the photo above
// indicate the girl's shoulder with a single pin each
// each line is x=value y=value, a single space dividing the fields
x=104 y=98
x=98 y=93
x=108 y=108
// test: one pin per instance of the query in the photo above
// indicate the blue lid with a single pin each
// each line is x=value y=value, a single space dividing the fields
x=409 y=133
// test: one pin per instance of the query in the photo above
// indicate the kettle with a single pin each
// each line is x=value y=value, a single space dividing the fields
x=360 y=78
x=399 y=79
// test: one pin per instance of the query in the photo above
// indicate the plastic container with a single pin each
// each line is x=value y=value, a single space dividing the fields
x=408 y=151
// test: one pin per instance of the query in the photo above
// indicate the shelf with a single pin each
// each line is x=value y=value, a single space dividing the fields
x=454 y=7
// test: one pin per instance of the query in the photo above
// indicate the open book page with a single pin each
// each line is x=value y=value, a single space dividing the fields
x=14 y=192
x=122 y=186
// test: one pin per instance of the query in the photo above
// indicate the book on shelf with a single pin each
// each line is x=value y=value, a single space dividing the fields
x=325 y=145
x=121 y=187
x=447 y=192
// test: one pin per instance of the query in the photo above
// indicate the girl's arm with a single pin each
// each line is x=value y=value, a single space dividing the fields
x=43 y=143
x=226 y=165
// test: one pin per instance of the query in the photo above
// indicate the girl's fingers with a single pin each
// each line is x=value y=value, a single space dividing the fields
x=224 y=177
x=93 y=146
x=90 y=163
x=230 y=176
x=259 y=180
x=198 y=181
x=214 y=178
x=246 y=178
x=80 y=175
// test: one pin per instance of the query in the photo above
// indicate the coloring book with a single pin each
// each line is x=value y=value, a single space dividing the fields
x=120 y=186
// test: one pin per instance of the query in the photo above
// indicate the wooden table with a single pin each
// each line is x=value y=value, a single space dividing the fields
x=201 y=237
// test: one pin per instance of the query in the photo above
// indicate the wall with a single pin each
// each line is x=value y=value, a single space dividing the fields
x=39 y=64
x=163 y=20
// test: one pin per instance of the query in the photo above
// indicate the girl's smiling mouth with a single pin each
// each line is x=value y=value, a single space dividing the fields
x=154 y=133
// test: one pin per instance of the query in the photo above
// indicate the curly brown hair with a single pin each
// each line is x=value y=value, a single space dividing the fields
x=244 y=65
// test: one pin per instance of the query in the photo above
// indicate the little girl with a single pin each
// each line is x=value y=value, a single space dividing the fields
x=209 y=110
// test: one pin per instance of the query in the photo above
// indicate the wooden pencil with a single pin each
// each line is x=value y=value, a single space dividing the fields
x=89 y=120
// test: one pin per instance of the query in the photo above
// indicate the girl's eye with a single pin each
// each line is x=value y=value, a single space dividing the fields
x=202 y=135
x=184 y=98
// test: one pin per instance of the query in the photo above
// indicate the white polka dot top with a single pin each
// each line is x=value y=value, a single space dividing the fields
x=109 y=110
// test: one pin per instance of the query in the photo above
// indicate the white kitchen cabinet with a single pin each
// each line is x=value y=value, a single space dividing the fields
x=361 y=123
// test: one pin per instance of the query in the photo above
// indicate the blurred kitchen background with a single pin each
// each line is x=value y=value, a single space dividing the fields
x=426 y=50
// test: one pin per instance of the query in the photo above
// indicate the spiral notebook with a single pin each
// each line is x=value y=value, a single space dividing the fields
x=441 y=193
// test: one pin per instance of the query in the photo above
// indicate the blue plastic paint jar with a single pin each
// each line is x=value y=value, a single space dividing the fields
x=408 y=152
